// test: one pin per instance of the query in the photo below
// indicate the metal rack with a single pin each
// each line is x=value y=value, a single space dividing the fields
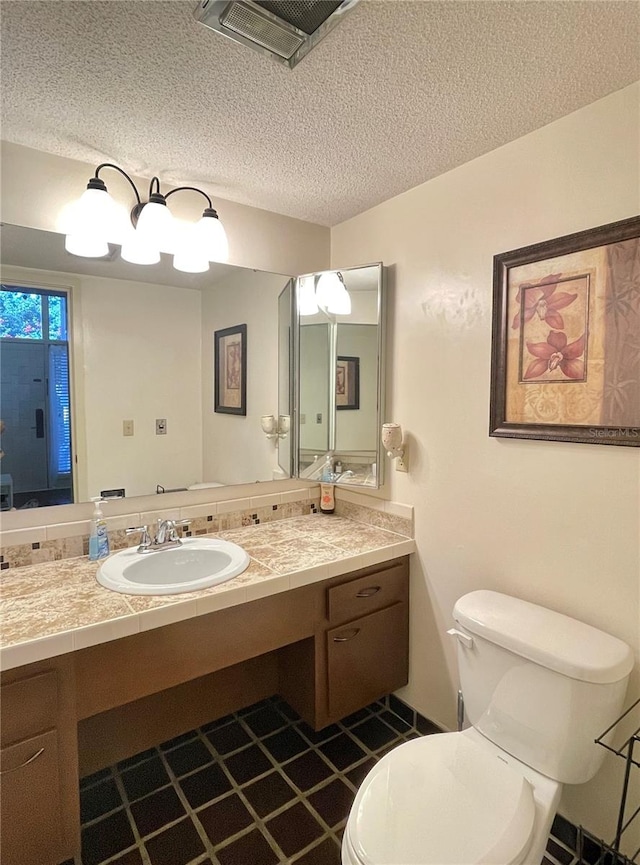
x=610 y=854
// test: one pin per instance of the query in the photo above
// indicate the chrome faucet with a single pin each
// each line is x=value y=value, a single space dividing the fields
x=165 y=538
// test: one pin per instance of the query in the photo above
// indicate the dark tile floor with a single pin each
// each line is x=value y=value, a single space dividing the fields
x=258 y=787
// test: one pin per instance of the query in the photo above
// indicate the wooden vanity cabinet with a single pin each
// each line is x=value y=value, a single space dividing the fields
x=366 y=641
x=360 y=650
x=329 y=648
x=38 y=766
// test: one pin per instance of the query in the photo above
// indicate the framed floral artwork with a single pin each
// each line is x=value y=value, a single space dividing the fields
x=230 y=370
x=565 y=360
x=348 y=383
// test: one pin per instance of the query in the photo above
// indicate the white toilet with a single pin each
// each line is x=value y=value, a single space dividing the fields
x=538 y=688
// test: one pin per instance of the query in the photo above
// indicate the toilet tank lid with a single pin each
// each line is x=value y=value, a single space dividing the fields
x=550 y=639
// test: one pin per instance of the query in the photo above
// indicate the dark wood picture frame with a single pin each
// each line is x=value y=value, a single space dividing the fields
x=230 y=370
x=348 y=383
x=566 y=336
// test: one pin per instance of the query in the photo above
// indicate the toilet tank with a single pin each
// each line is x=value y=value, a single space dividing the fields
x=539 y=684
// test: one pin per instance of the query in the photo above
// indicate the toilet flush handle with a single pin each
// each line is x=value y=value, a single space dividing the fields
x=465 y=639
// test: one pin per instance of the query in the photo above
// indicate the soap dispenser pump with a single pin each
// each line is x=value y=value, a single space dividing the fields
x=98 y=537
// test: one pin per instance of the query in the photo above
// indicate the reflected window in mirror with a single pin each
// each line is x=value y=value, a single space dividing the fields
x=35 y=398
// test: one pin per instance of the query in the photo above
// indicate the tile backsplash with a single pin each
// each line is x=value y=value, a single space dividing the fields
x=37 y=544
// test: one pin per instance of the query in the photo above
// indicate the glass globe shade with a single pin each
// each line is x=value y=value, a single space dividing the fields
x=307 y=304
x=91 y=222
x=340 y=302
x=155 y=226
x=86 y=245
x=328 y=285
x=189 y=255
x=136 y=251
x=213 y=238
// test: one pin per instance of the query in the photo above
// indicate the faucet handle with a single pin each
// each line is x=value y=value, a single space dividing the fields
x=172 y=528
x=145 y=539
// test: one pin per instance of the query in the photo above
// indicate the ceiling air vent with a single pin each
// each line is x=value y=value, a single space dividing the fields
x=283 y=29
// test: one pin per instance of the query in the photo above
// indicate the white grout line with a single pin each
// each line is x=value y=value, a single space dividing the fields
x=261 y=823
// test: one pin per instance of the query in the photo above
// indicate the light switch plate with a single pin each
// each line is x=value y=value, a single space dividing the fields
x=161 y=426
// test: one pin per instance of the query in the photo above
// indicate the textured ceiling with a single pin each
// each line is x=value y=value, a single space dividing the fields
x=398 y=93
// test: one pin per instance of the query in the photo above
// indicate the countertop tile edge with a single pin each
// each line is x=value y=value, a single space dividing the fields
x=42 y=648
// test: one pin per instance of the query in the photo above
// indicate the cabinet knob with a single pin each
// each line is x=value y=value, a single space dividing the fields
x=368 y=592
x=348 y=635
x=22 y=765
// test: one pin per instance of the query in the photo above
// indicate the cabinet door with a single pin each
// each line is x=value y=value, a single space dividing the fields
x=367 y=659
x=31 y=807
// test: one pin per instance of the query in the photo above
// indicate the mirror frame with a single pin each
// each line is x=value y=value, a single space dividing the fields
x=381 y=374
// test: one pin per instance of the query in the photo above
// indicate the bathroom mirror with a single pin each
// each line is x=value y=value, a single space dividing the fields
x=108 y=374
x=340 y=375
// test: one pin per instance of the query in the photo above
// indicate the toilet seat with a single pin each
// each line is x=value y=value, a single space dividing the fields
x=441 y=800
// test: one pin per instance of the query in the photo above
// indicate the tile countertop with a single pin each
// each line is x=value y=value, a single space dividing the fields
x=58 y=607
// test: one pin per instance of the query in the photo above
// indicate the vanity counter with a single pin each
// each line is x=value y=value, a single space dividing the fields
x=54 y=608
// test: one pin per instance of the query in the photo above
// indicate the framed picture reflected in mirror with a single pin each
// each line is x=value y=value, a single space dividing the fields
x=230 y=370
x=348 y=383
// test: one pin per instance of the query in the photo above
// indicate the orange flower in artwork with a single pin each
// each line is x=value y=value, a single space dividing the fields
x=540 y=299
x=554 y=354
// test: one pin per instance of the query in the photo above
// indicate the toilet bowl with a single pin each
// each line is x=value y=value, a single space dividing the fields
x=538 y=688
x=450 y=799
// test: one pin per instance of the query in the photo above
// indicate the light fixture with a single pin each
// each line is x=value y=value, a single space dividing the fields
x=95 y=220
x=330 y=294
x=307 y=303
x=395 y=446
x=275 y=429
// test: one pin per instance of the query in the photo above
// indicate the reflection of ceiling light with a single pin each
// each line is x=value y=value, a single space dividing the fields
x=332 y=294
x=307 y=303
x=136 y=251
x=95 y=220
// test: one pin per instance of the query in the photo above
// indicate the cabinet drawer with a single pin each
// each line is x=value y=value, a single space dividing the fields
x=29 y=706
x=367 y=659
x=366 y=594
x=31 y=804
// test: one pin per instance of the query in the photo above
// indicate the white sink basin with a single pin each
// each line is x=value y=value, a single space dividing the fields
x=197 y=564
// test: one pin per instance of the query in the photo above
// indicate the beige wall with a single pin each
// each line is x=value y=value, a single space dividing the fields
x=36 y=186
x=553 y=523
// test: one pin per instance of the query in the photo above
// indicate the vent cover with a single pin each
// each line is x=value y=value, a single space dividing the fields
x=285 y=30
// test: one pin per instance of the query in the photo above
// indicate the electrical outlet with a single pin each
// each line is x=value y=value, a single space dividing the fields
x=402 y=463
x=127 y=427
x=161 y=426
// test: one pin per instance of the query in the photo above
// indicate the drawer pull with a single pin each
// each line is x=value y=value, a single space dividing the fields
x=22 y=765
x=368 y=592
x=349 y=636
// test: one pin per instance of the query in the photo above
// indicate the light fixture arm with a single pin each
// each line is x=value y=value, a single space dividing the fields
x=192 y=189
x=124 y=174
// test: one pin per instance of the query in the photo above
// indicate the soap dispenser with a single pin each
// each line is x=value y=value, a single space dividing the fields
x=98 y=537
